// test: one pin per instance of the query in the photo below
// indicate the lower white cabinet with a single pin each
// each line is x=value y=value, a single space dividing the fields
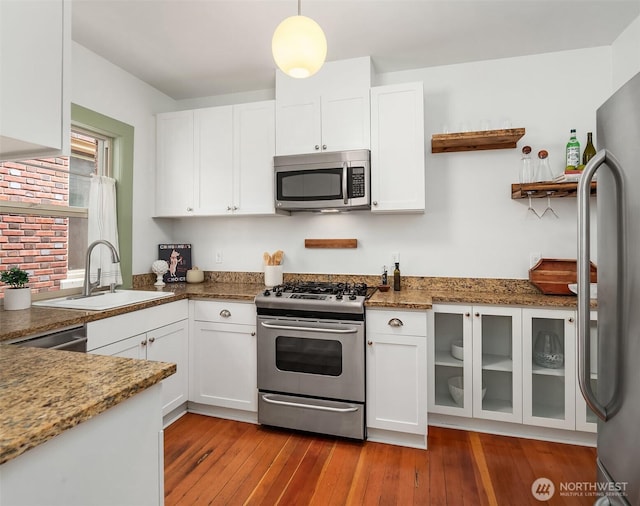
x=396 y=363
x=158 y=333
x=223 y=355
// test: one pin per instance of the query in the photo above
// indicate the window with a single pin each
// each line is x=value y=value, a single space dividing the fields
x=43 y=211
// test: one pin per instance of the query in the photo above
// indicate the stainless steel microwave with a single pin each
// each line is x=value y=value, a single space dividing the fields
x=339 y=180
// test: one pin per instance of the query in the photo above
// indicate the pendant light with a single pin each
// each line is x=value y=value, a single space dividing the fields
x=299 y=46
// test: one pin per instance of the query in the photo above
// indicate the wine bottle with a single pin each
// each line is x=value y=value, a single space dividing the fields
x=396 y=277
x=589 y=149
x=573 y=151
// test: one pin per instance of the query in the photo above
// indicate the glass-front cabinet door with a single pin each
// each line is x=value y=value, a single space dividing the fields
x=497 y=363
x=586 y=420
x=450 y=360
x=549 y=372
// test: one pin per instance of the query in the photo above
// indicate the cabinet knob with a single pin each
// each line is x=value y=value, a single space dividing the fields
x=189 y=209
x=395 y=322
x=477 y=315
x=152 y=339
x=467 y=315
x=235 y=208
x=225 y=313
x=143 y=343
x=375 y=202
x=370 y=343
x=570 y=320
x=228 y=208
x=324 y=146
x=253 y=334
x=317 y=147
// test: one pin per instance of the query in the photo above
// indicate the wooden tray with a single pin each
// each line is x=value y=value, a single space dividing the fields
x=553 y=276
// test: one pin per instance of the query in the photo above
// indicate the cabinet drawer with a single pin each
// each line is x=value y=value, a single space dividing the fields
x=242 y=313
x=413 y=323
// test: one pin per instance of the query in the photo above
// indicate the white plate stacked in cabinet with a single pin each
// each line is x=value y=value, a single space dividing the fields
x=397 y=377
x=222 y=360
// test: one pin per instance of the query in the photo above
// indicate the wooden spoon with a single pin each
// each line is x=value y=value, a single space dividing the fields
x=267 y=258
x=277 y=257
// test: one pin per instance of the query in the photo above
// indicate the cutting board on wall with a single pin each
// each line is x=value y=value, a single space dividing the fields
x=552 y=276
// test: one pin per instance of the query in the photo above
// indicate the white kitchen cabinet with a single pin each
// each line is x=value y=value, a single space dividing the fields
x=223 y=356
x=35 y=38
x=331 y=122
x=396 y=365
x=492 y=359
x=397 y=148
x=548 y=365
x=586 y=420
x=158 y=333
x=216 y=161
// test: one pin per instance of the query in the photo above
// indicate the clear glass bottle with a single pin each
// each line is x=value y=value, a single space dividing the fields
x=573 y=151
x=544 y=172
x=589 y=149
x=526 y=166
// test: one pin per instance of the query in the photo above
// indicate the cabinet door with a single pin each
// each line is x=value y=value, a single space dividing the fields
x=346 y=121
x=213 y=179
x=171 y=344
x=132 y=347
x=397 y=148
x=548 y=366
x=497 y=363
x=298 y=127
x=174 y=164
x=450 y=360
x=35 y=38
x=396 y=374
x=223 y=366
x=253 y=150
x=586 y=420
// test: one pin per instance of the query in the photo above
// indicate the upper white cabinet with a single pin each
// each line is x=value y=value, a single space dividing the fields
x=216 y=161
x=329 y=111
x=332 y=122
x=397 y=148
x=35 y=38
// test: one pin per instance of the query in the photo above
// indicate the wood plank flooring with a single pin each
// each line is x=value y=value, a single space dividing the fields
x=222 y=462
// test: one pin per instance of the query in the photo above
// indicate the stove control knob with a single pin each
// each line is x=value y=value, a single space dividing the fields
x=352 y=296
x=339 y=296
x=278 y=293
x=266 y=293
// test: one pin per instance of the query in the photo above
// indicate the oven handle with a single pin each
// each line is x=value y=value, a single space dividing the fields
x=345 y=187
x=310 y=329
x=268 y=399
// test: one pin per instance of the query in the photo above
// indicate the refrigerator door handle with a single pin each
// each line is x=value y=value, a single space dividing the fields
x=584 y=271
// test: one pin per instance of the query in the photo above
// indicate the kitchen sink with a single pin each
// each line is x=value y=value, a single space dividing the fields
x=103 y=300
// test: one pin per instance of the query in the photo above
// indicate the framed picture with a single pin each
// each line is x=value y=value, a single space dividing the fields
x=178 y=256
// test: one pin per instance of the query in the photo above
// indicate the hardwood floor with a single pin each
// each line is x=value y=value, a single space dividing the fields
x=220 y=462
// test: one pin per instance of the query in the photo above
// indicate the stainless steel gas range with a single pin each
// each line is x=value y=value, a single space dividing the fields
x=311 y=357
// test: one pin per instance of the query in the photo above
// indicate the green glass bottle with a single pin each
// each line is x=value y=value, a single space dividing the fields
x=589 y=149
x=573 y=151
x=396 y=277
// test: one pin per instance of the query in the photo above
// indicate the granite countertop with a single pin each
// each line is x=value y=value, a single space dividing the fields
x=45 y=392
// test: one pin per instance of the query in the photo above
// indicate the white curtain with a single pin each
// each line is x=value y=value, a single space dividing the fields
x=103 y=224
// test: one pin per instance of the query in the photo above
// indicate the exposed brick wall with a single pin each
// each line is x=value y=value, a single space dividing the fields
x=36 y=244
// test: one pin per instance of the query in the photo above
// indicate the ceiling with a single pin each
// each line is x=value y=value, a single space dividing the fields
x=190 y=49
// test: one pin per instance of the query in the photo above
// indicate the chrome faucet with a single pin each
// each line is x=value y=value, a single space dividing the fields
x=88 y=286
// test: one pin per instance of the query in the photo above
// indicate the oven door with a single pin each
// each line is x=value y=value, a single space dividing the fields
x=310 y=357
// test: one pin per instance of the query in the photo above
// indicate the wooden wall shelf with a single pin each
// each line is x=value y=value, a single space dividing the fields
x=331 y=243
x=475 y=141
x=554 y=190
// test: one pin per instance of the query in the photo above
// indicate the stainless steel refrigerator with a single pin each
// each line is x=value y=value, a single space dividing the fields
x=616 y=397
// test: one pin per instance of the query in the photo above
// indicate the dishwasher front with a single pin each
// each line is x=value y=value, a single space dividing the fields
x=69 y=339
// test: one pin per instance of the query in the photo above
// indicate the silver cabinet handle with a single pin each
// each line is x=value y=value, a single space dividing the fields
x=584 y=280
x=271 y=400
x=395 y=322
x=324 y=146
x=225 y=313
x=345 y=190
x=317 y=147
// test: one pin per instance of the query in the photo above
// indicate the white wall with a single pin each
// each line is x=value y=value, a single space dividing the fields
x=102 y=87
x=626 y=54
x=471 y=226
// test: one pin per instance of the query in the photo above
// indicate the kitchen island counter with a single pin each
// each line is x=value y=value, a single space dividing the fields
x=45 y=392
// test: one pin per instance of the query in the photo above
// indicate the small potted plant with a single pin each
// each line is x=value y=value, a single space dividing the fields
x=17 y=295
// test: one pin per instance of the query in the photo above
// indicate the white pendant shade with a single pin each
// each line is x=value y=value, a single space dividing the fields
x=299 y=46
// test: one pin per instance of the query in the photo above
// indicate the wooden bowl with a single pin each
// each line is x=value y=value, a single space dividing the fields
x=384 y=288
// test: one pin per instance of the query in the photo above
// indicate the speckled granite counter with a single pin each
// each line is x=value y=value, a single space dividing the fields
x=45 y=392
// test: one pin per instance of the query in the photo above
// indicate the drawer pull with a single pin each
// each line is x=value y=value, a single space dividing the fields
x=395 y=322
x=225 y=313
